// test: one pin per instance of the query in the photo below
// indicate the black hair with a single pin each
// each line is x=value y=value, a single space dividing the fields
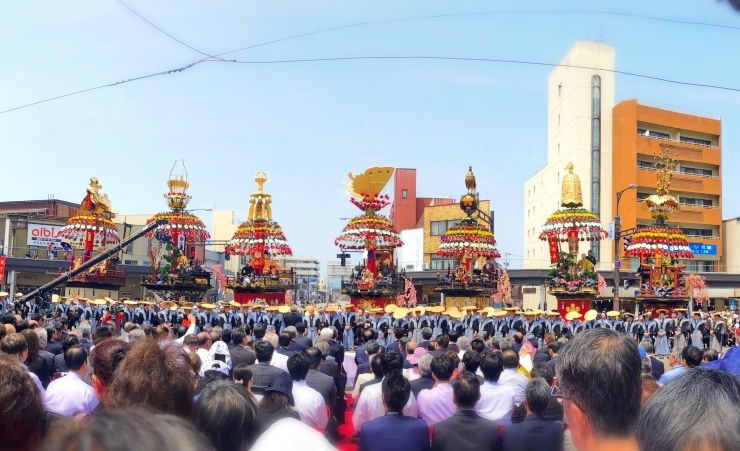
x=443 y=367
x=538 y=394
x=466 y=390
x=544 y=371
x=443 y=341
x=477 y=345
x=300 y=328
x=181 y=331
x=314 y=357
x=711 y=355
x=492 y=365
x=259 y=332
x=398 y=332
x=692 y=355
x=242 y=373
x=298 y=366
x=101 y=333
x=376 y=365
x=396 y=391
x=368 y=334
x=238 y=336
x=390 y=361
x=74 y=357
x=471 y=360
x=226 y=336
x=426 y=333
x=263 y=351
x=227 y=414
x=284 y=339
x=511 y=358
x=69 y=341
x=554 y=346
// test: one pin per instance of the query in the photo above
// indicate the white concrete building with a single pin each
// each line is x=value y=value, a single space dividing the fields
x=411 y=255
x=579 y=129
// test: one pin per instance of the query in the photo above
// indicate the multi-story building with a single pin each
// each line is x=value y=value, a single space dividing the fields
x=436 y=219
x=579 y=128
x=406 y=207
x=640 y=132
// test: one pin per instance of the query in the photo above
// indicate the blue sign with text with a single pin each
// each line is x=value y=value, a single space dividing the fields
x=703 y=249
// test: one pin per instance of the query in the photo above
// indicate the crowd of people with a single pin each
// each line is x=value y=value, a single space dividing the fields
x=419 y=384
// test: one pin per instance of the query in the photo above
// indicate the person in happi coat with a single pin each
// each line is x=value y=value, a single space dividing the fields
x=591 y=319
x=497 y=325
x=682 y=330
x=529 y=324
x=416 y=323
x=472 y=321
x=383 y=322
x=555 y=324
x=717 y=333
x=272 y=321
x=312 y=321
x=437 y=321
x=697 y=330
x=350 y=318
x=631 y=327
x=612 y=322
x=512 y=322
x=648 y=327
x=663 y=330
x=456 y=322
x=84 y=311
x=574 y=322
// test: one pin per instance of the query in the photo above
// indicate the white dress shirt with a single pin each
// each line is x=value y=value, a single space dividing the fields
x=310 y=405
x=69 y=395
x=496 y=402
x=279 y=361
x=516 y=381
x=370 y=406
x=205 y=361
x=290 y=433
x=36 y=381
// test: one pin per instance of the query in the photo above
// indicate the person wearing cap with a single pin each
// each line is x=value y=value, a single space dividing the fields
x=680 y=333
x=663 y=328
x=311 y=320
x=417 y=322
x=555 y=324
x=457 y=323
x=697 y=330
x=648 y=327
x=471 y=320
x=438 y=322
x=273 y=320
x=381 y=325
x=129 y=309
x=336 y=319
x=84 y=311
x=574 y=323
x=512 y=322
x=529 y=324
x=612 y=321
x=717 y=333
x=150 y=316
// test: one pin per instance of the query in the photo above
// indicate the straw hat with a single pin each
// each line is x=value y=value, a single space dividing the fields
x=613 y=314
x=519 y=312
x=5 y=294
x=469 y=307
x=680 y=310
x=573 y=315
x=455 y=314
x=498 y=313
x=331 y=308
x=167 y=305
x=590 y=315
x=83 y=299
x=99 y=302
x=187 y=305
x=553 y=313
x=662 y=310
x=489 y=310
x=272 y=308
x=538 y=311
x=630 y=314
x=400 y=313
x=310 y=309
x=436 y=309
x=54 y=297
x=529 y=313
x=376 y=310
x=234 y=304
x=646 y=313
x=209 y=306
x=390 y=308
x=19 y=295
x=129 y=302
x=421 y=310
x=511 y=309
x=284 y=309
x=109 y=300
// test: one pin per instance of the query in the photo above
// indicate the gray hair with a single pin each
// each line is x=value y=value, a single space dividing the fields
x=323 y=347
x=219 y=330
x=676 y=353
x=272 y=338
x=425 y=365
x=291 y=330
x=697 y=410
x=506 y=343
x=326 y=334
x=135 y=335
x=538 y=395
x=426 y=331
x=647 y=346
x=647 y=365
x=463 y=343
x=594 y=369
x=293 y=308
x=85 y=329
x=43 y=336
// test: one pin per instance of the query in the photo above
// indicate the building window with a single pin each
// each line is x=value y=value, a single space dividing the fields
x=438 y=228
x=558 y=119
x=534 y=190
x=695 y=202
x=529 y=193
x=403 y=194
x=558 y=148
x=558 y=177
x=645 y=164
x=533 y=210
x=696 y=171
x=642 y=196
x=560 y=89
x=699 y=266
x=696 y=232
x=697 y=141
x=443 y=263
x=653 y=134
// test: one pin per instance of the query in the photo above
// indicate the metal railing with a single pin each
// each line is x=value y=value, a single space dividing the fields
x=691 y=174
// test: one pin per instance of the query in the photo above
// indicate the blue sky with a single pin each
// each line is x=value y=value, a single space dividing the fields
x=309 y=124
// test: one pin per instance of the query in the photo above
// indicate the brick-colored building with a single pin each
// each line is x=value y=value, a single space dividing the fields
x=406 y=208
x=436 y=220
x=639 y=133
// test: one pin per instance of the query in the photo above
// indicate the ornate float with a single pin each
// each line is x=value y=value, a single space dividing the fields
x=375 y=282
x=258 y=240
x=176 y=256
x=659 y=247
x=91 y=230
x=473 y=245
x=573 y=279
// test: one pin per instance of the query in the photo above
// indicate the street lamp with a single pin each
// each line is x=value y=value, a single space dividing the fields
x=617 y=231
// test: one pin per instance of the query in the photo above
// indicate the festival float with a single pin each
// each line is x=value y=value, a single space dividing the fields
x=376 y=282
x=659 y=248
x=176 y=254
x=572 y=280
x=259 y=239
x=89 y=231
x=471 y=243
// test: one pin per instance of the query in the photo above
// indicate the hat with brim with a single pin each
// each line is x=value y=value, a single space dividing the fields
x=529 y=313
x=209 y=306
x=590 y=315
x=553 y=313
x=538 y=311
x=272 y=308
x=376 y=310
x=109 y=300
x=570 y=316
x=487 y=310
x=83 y=299
x=612 y=314
x=455 y=314
x=282 y=383
x=662 y=310
x=680 y=310
x=167 y=304
x=629 y=314
x=418 y=353
x=234 y=304
x=187 y=305
x=330 y=308
x=284 y=309
x=390 y=308
x=5 y=294
x=646 y=313
x=421 y=310
x=129 y=302
x=400 y=313
x=511 y=309
x=54 y=298
x=99 y=302
x=310 y=309
x=469 y=307
x=18 y=295
x=435 y=309
x=498 y=313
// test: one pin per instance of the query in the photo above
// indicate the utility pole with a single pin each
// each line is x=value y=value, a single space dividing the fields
x=617 y=241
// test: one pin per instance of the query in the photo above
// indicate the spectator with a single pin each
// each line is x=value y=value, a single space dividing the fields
x=657 y=367
x=120 y=430
x=16 y=346
x=284 y=341
x=240 y=353
x=710 y=355
x=135 y=335
x=43 y=334
x=277 y=402
x=262 y=371
x=86 y=331
x=371 y=348
x=54 y=337
x=278 y=360
x=22 y=407
x=682 y=360
x=204 y=344
x=106 y=358
x=309 y=403
x=596 y=368
x=553 y=348
x=699 y=410
x=322 y=383
x=243 y=376
x=471 y=362
x=156 y=376
x=394 y=429
x=443 y=341
x=434 y=404
x=497 y=400
x=68 y=341
x=466 y=430
x=554 y=411
x=190 y=343
x=34 y=362
x=535 y=432
x=302 y=335
x=70 y=395
x=512 y=378
x=413 y=354
x=649 y=387
x=425 y=380
x=426 y=335
x=365 y=380
x=370 y=404
x=226 y=413
x=518 y=342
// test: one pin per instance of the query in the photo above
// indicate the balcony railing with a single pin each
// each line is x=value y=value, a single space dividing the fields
x=678 y=141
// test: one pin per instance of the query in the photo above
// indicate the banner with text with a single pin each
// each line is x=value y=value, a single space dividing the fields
x=43 y=234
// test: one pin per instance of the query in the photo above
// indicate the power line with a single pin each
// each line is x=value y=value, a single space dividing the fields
x=359 y=58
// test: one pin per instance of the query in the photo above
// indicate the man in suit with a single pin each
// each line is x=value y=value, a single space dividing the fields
x=426 y=335
x=371 y=348
x=426 y=381
x=657 y=366
x=534 y=432
x=301 y=336
x=331 y=368
x=262 y=372
x=54 y=335
x=360 y=355
x=284 y=341
x=292 y=318
x=325 y=385
x=336 y=349
x=442 y=342
x=294 y=346
x=466 y=430
x=394 y=430
x=240 y=353
x=398 y=333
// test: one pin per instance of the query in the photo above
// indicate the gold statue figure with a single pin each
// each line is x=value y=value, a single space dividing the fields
x=94 y=201
x=571 y=196
x=259 y=202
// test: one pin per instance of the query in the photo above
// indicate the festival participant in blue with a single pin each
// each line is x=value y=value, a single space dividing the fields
x=529 y=324
x=663 y=328
x=456 y=321
x=383 y=322
x=512 y=322
x=312 y=321
x=575 y=325
x=98 y=310
x=555 y=322
x=648 y=327
x=681 y=329
x=612 y=322
x=4 y=301
x=255 y=318
x=240 y=314
x=471 y=321
x=149 y=316
x=417 y=322
x=717 y=332
x=631 y=327
x=497 y=323
x=400 y=321
x=437 y=321
x=349 y=318
x=272 y=321
x=590 y=319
